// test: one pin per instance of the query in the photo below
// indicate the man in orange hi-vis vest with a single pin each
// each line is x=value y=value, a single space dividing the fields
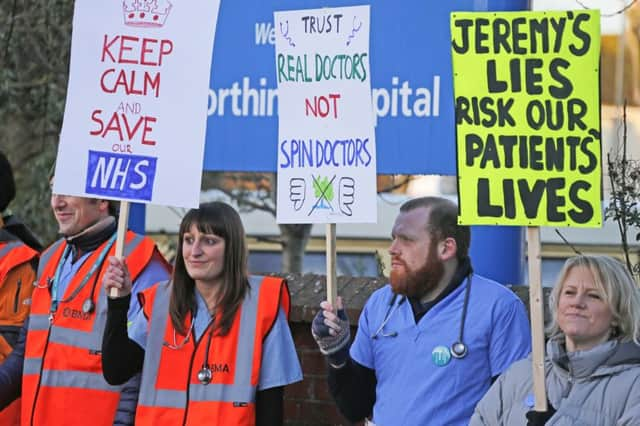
x=56 y=364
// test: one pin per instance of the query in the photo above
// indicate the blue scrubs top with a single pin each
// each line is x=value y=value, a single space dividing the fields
x=280 y=365
x=418 y=381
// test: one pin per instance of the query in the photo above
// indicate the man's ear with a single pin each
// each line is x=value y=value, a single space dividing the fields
x=103 y=205
x=447 y=249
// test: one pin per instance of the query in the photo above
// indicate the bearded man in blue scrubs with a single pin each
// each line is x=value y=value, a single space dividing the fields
x=431 y=342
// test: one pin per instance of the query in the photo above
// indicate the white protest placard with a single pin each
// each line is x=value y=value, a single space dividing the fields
x=326 y=138
x=136 y=109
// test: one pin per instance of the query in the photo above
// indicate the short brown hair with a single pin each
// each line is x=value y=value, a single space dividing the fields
x=443 y=222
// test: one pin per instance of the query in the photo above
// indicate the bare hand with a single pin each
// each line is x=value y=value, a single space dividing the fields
x=117 y=276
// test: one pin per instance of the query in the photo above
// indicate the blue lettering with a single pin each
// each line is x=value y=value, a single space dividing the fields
x=364 y=147
x=295 y=148
x=350 y=154
x=283 y=149
x=319 y=154
x=316 y=153
x=307 y=152
x=120 y=175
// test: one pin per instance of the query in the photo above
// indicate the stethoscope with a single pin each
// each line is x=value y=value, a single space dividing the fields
x=458 y=348
x=205 y=374
x=88 y=306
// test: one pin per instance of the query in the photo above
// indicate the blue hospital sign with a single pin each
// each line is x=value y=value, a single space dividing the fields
x=411 y=82
x=128 y=177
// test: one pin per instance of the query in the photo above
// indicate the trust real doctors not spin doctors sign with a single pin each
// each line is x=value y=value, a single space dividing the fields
x=135 y=116
x=326 y=142
x=527 y=99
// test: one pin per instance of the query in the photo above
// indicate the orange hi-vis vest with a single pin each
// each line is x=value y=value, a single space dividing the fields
x=13 y=254
x=17 y=275
x=62 y=382
x=170 y=392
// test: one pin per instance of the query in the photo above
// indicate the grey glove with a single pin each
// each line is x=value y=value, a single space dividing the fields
x=332 y=335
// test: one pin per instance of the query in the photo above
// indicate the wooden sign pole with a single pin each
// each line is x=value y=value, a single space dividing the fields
x=123 y=220
x=537 y=317
x=332 y=288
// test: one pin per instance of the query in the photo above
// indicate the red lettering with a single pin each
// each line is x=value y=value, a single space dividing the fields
x=102 y=81
x=131 y=133
x=147 y=130
x=334 y=97
x=310 y=106
x=145 y=50
x=124 y=49
x=166 y=47
x=114 y=125
x=126 y=81
x=95 y=117
x=127 y=48
x=125 y=128
x=321 y=105
x=106 y=46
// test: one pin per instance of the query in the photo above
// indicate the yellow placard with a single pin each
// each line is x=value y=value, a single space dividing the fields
x=527 y=98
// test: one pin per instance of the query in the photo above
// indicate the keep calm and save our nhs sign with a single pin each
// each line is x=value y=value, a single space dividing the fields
x=411 y=81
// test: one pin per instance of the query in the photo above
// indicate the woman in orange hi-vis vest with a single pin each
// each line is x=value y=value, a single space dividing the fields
x=214 y=341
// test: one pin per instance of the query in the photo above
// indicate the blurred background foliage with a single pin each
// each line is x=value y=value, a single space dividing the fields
x=34 y=59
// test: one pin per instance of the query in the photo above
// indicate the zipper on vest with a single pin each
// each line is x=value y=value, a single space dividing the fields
x=44 y=354
x=17 y=298
x=569 y=387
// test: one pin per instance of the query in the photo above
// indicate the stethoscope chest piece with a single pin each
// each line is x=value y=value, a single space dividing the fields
x=459 y=350
x=88 y=306
x=205 y=375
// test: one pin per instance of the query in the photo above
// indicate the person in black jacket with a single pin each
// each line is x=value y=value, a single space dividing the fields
x=19 y=251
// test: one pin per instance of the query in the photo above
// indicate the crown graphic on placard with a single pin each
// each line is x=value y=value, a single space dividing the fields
x=145 y=13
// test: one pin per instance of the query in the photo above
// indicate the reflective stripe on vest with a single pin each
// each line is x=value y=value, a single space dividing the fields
x=12 y=254
x=7 y=247
x=76 y=379
x=38 y=322
x=45 y=257
x=240 y=390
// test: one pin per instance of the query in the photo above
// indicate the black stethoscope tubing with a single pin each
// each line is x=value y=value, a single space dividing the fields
x=205 y=374
x=458 y=348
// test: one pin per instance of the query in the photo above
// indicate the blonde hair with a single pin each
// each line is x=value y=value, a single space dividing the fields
x=617 y=286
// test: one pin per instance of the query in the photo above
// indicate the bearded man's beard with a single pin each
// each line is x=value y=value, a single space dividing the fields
x=417 y=283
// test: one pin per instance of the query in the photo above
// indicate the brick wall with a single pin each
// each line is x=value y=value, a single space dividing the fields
x=309 y=402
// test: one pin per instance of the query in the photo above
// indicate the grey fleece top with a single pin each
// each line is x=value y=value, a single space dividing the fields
x=600 y=386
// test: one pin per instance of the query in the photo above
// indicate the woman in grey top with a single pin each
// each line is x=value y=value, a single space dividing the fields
x=592 y=365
